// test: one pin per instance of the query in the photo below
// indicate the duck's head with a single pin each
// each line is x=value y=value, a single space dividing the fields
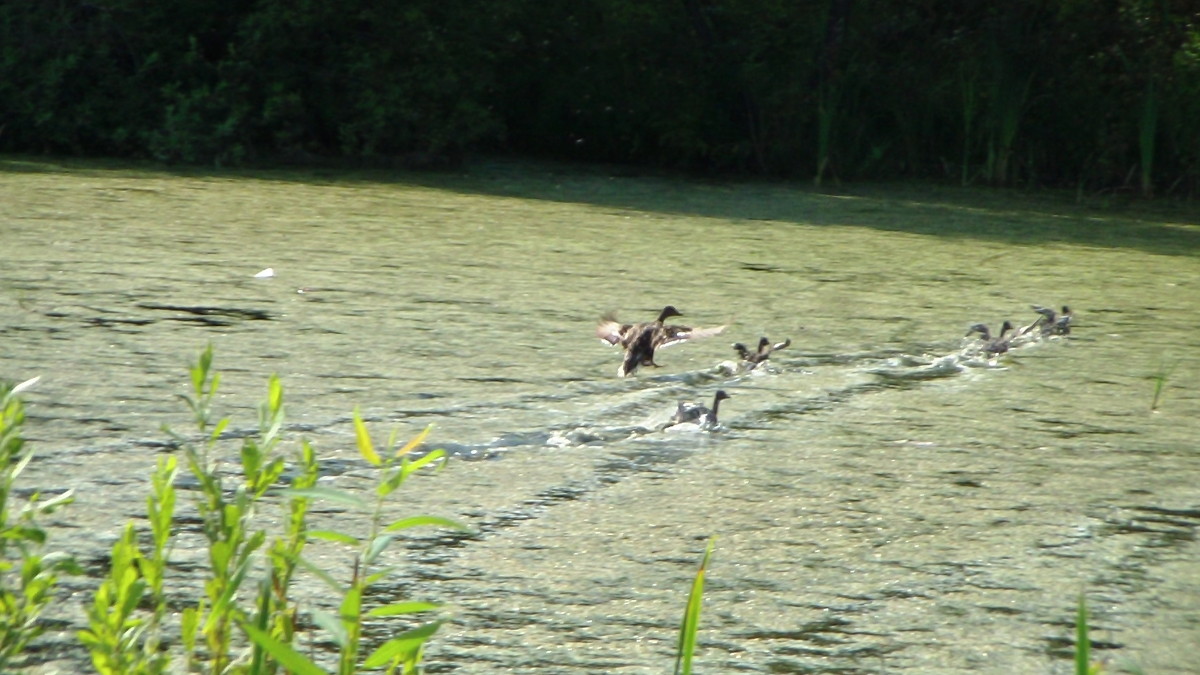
x=1066 y=310
x=1005 y=327
x=978 y=328
x=721 y=396
x=668 y=312
x=763 y=342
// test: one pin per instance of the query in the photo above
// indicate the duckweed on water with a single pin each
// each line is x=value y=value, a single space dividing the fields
x=128 y=631
x=129 y=611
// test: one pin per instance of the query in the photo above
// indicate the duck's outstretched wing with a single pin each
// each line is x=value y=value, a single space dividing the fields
x=1043 y=322
x=614 y=332
x=780 y=345
x=673 y=335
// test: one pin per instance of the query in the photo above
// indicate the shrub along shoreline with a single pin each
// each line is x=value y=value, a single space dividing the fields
x=1082 y=95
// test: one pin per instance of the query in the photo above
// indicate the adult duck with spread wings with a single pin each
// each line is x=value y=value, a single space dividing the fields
x=640 y=340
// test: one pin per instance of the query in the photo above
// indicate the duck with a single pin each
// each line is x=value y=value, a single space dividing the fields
x=993 y=345
x=694 y=413
x=1062 y=325
x=1050 y=322
x=765 y=349
x=640 y=340
x=1046 y=317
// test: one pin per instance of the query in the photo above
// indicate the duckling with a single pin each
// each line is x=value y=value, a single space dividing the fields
x=1050 y=322
x=746 y=354
x=639 y=340
x=993 y=345
x=765 y=349
x=694 y=413
x=1062 y=325
x=1046 y=319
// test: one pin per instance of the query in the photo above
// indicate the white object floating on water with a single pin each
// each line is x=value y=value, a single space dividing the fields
x=265 y=274
x=27 y=384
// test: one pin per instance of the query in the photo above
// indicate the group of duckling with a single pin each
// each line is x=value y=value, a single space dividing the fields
x=1048 y=323
x=640 y=341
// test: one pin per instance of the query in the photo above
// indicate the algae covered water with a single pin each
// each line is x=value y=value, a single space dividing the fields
x=883 y=500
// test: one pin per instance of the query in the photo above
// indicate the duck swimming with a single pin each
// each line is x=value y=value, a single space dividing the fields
x=1054 y=323
x=765 y=349
x=993 y=345
x=1050 y=322
x=1062 y=325
x=640 y=340
x=694 y=413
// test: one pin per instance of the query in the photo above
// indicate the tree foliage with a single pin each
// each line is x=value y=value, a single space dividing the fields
x=1095 y=94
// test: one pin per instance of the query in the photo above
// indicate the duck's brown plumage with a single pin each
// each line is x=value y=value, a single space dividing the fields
x=640 y=340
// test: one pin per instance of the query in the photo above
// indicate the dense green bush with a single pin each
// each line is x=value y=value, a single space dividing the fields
x=1095 y=95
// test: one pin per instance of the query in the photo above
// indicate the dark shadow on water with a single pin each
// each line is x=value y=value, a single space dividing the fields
x=1008 y=216
x=1004 y=215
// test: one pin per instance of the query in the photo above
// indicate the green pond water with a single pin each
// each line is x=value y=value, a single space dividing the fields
x=884 y=499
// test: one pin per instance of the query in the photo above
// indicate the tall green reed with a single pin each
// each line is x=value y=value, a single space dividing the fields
x=968 y=80
x=123 y=639
x=227 y=515
x=1083 y=644
x=1009 y=81
x=239 y=626
x=1008 y=95
x=1147 y=132
x=28 y=573
x=120 y=637
x=404 y=651
x=690 y=626
x=1160 y=378
x=828 y=95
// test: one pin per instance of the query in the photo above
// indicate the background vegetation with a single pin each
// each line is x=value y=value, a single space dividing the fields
x=1093 y=94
